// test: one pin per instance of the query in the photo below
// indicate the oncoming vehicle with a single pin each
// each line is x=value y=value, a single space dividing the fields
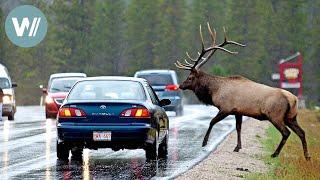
x=58 y=88
x=112 y=112
x=7 y=86
x=165 y=84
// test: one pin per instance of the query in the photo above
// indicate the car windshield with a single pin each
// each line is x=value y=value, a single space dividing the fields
x=157 y=79
x=4 y=83
x=107 y=90
x=62 y=84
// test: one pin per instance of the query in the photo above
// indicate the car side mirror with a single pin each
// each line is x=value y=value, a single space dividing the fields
x=165 y=102
x=45 y=90
x=14 y=85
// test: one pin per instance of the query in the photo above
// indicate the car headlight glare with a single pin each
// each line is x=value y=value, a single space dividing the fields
x=6 y=100
x=49 y=100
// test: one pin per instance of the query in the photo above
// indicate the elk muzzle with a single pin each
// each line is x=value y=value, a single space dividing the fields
x=182 y=86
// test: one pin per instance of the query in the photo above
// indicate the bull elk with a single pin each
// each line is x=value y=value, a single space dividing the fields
x=239 y=96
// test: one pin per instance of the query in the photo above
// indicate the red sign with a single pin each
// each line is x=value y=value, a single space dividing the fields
x=291 y=73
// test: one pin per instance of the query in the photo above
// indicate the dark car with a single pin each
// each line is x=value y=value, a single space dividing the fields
x=112 y=112
x=165 y=84
x=59 y=85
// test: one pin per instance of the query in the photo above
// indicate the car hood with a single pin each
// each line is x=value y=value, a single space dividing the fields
x=58 y=94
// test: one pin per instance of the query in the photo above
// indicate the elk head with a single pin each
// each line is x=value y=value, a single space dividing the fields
x=193 y=79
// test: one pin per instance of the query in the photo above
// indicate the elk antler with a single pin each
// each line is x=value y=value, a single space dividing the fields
x=201 y=60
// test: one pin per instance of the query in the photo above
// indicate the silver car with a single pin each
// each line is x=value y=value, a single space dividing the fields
x=165 y=84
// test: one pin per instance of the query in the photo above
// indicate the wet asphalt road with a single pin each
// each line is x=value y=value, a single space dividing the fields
x=27 y=149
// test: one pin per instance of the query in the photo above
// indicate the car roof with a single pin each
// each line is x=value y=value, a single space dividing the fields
x=56 y=75
x=67 y=78
x=155 y=71
x=115 y=78
x=3 y=71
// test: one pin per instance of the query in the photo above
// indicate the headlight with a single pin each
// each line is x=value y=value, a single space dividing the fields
x=49 y=100
x=7 y=99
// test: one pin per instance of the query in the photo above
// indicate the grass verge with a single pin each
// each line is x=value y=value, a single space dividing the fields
x=291 y=163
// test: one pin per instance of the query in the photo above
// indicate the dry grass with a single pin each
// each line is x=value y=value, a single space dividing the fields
x=291 y=163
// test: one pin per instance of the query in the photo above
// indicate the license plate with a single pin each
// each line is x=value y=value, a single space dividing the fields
x=102 y=136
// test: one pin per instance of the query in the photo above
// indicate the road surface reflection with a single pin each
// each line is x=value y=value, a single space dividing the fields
x=28 y=149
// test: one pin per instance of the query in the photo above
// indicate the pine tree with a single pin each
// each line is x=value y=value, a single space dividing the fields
x=73 y=22
x=108 y=38
x=2 y=37
x=141 y=18
x=169 y=33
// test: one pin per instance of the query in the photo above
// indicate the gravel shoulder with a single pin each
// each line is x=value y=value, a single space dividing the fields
x=223 y=163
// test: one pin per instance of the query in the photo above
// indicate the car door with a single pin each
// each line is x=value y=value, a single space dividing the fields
x=163 y=121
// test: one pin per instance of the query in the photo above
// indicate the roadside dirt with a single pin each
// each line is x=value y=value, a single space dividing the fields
x=223 y=163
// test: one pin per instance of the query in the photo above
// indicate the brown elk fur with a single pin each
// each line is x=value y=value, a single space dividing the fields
x=240 y=96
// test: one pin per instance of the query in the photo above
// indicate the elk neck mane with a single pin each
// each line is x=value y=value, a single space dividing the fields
x=205 y=87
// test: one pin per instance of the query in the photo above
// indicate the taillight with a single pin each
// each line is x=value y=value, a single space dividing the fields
x=172 y=87
x=71 y=112
x=136 y=112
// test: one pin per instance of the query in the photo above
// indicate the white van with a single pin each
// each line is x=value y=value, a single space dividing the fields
x=9 y=101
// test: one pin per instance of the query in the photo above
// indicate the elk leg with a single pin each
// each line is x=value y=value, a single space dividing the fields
x=216 y=119
x=300 y=132
x=238 y=127
x=285 y=134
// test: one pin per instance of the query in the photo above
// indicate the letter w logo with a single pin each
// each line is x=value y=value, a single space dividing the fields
x=25 y=25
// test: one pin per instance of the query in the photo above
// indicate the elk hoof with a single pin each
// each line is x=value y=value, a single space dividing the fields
x=308 y=158
x=236 y=149
x=274 y=155
x=204 y=143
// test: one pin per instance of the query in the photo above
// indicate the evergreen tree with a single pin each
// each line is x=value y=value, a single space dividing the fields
x=141 y=36
x=2 y=37
x=73 y=22
x=169 y=33
x=108 y=38
x=119 y=37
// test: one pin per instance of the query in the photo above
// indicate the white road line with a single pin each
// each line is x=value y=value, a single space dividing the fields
x=26 y=141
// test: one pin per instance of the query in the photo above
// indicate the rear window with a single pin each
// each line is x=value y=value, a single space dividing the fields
x=62 y=84
x=107 y=90
x=157 y=79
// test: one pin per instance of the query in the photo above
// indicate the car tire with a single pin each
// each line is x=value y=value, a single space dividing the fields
x=152 y=150
x=77 y=153
x=11 y=116
x=48 y=116
x=62 y=151
x=163 y=148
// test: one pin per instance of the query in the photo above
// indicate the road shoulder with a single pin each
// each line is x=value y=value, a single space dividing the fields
x=223 y=163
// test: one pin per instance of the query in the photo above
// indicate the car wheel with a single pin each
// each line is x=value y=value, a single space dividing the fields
x=62 y=151
x=11 y=116
x=152 y=149
x=77 y=153
x=48 y=116
x=163 y=147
